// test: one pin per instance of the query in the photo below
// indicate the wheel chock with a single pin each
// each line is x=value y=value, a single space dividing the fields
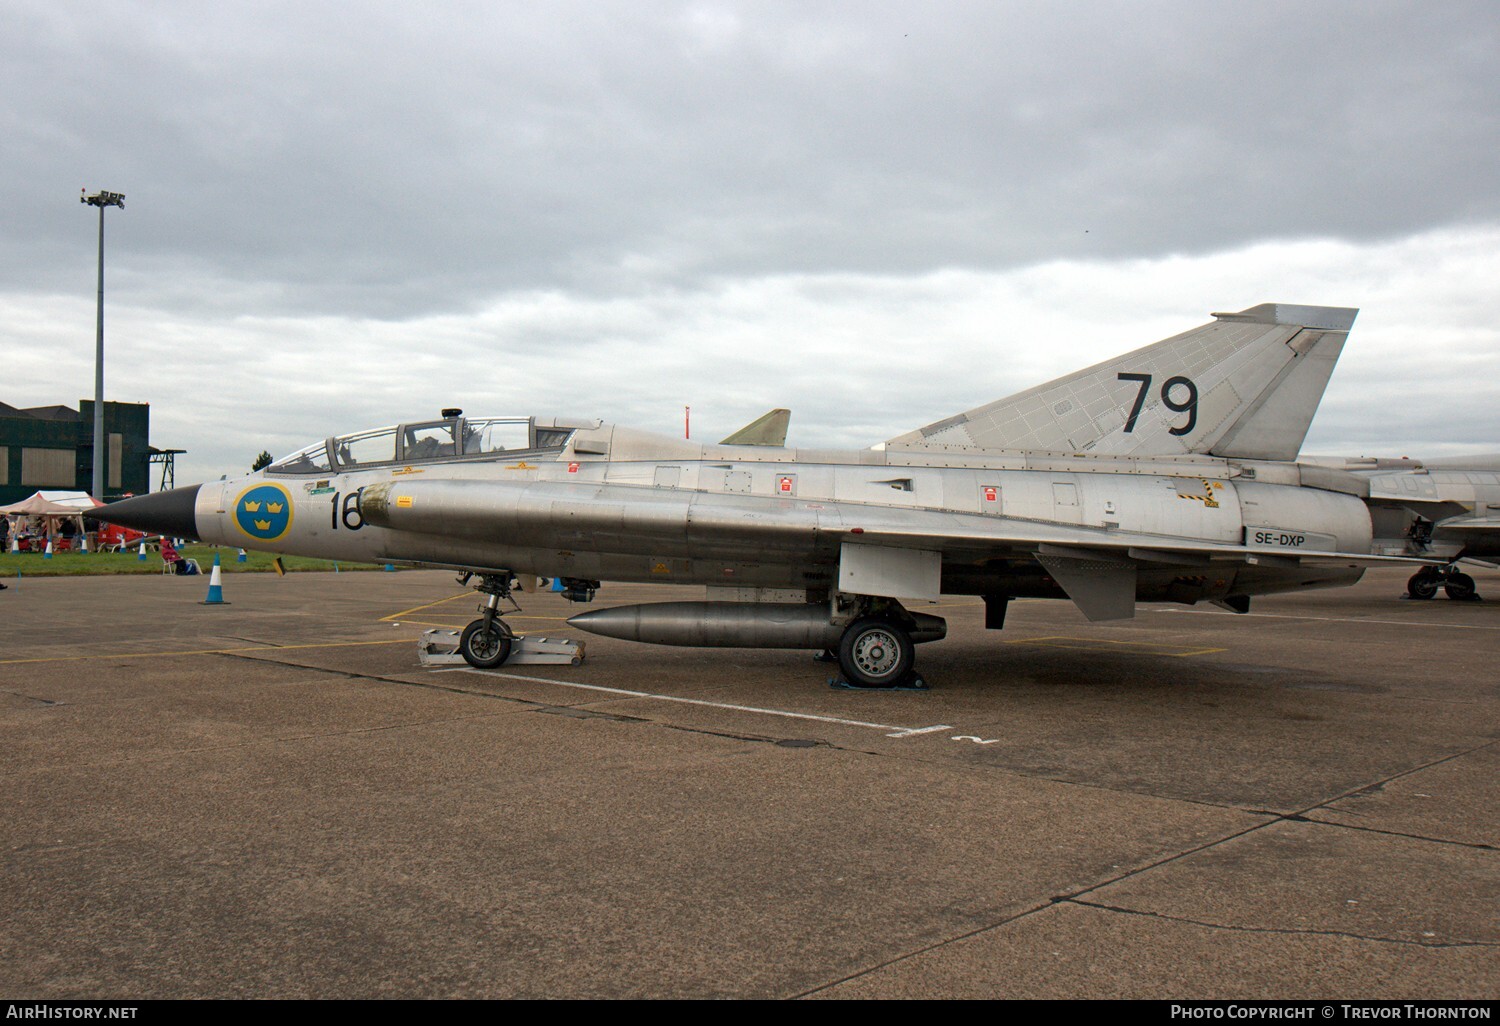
x=440 y=648
x=912 y=682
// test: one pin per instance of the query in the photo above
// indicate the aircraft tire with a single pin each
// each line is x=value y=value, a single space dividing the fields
x=876 y=653
x=1460 y=587
x=483 y=649
x=1423 y=585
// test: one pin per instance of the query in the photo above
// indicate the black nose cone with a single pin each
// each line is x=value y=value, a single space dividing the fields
x=169 y=513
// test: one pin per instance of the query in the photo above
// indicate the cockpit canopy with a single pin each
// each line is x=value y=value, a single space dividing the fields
x=452 y=438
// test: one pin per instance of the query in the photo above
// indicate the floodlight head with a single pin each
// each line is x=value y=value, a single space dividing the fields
x=104 y=198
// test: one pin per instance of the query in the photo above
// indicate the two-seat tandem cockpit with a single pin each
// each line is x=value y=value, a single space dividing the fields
x=451 y=438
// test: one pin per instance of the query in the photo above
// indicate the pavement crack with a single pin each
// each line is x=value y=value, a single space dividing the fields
x=1298 y=816
x=31 y=698
x=1303 y=815
x=913 y=755
x=762 y=739
x=283 y=739
x=1276 y=929
x=1478 y=845
x=354 y=675
x=252 y=641
x=576 y=712
x=905 y=955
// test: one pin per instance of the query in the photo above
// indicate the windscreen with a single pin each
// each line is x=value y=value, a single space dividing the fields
x=312 y=460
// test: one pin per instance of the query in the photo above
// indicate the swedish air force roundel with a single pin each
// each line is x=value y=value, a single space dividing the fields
x=264 y=512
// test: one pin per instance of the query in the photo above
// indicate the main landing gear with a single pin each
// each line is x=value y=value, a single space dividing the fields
x=1456 y=585
x=877 y=653
x=486 y=643
x=877 y=648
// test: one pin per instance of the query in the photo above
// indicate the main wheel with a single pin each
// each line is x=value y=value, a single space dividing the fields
x=1423 y=584
x=876 y=653
x=1459 y=587
x=483 y=648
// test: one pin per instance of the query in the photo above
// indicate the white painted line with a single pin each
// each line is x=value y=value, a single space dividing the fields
x=914 y=731
x=1339 y=619
x=892 y=731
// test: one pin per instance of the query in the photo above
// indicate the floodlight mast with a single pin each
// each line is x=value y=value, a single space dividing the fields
x=101 y=200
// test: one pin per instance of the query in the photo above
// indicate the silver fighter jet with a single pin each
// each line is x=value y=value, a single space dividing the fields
x=1443 y=510
x=1168 y=474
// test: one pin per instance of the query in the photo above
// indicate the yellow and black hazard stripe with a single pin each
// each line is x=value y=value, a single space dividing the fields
x=1206 y=496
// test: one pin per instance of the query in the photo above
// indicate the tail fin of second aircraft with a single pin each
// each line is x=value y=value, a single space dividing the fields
x=1244 y=385
x=767 y=429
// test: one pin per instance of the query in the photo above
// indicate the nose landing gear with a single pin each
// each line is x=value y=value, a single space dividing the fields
x=486 y=642
x=485 y=646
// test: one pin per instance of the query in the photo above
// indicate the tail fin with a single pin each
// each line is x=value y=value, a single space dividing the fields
x=767 y=429
x=1244 y=385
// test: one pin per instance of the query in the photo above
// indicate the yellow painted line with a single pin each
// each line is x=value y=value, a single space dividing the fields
x=206 y=651
x=461 y=626
x=433 y=623
x=1152 y=648
x=417 y=609
x=503 y=616
x=1340 y=619
x=961 y=605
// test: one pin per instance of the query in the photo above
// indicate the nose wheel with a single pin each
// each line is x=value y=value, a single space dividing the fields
x=485 y=645
x=486 y=642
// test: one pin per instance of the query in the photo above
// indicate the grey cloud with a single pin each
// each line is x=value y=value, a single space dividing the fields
x=391 y=160
x=876 y=213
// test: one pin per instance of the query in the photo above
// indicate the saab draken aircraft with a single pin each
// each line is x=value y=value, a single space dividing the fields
x=1168 y=474
x=1444 y=510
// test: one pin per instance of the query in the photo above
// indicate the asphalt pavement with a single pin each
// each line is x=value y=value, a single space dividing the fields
x=271 y=798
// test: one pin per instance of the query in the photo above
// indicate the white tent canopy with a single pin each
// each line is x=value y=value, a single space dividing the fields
x=39 y=506
x=45 y=512
x=75 y=500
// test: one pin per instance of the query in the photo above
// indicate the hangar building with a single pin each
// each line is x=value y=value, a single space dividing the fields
x=52 y=447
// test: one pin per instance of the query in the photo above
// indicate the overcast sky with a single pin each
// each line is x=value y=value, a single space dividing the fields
x=878 y=214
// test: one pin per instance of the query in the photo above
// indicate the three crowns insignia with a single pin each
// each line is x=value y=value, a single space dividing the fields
x=271 y=508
